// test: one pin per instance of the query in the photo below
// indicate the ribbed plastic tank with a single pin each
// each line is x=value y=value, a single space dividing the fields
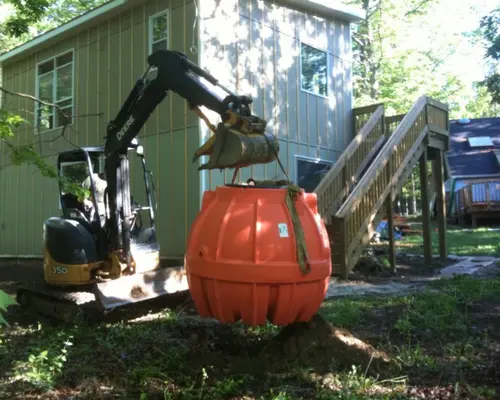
x=242 y=262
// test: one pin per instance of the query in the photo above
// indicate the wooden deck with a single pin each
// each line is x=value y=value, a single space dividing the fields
x=478 y=201
x=359 y=190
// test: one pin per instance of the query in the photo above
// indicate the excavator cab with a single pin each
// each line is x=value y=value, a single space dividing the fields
x=77 y=169
x=76 y=247
x=83 y=194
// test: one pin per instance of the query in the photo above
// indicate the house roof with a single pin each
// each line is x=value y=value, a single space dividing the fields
x=66 y=29
x=332 y=8
x=324 y=7
x=480 y=159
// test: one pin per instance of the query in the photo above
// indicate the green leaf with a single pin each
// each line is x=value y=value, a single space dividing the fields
x=3 y=321
x=6 y=301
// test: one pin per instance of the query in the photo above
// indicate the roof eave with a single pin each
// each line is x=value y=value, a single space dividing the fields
x=340 y=11
x=479 y=176
x=76 y=22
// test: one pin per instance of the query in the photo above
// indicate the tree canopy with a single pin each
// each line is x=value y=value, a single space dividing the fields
x=403 y=50
x=490 y=25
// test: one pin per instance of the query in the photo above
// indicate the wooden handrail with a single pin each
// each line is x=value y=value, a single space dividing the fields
x=382 y=158
x=437 y=104
x=394 y=118
x=355 y=219
x=336 y=184
x=465 y=194
x=367 y=109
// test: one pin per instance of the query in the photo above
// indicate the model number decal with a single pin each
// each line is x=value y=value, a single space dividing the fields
x=59 y=270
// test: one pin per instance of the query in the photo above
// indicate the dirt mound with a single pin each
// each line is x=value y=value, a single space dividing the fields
x=318 y=341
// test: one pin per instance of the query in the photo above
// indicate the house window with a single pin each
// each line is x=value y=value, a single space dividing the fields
x=310 y=172
x=158 y=31
x=313 y=70
x=54 y=84
x=480 y=141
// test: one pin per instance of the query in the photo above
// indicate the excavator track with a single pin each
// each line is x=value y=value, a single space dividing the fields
x=62 y=304
x=92 y=302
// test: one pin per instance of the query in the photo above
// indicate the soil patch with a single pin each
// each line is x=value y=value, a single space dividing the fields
x=373 y=267
x=15 y=272
x=319 y=340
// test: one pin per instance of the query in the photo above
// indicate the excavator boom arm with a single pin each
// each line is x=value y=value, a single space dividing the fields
x=168 y=71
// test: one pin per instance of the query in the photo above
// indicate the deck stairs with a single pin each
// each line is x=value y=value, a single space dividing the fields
x=359 y=189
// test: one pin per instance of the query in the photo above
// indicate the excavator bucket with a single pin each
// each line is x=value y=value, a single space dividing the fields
x=140 y=287
x=234 y=149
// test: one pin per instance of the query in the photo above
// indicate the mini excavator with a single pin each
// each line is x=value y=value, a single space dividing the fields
x=99 y=255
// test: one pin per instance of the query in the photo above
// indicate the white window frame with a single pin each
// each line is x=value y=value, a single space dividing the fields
x=150 y=29
x=310 y=160
x=327 y=70
x=38 y=130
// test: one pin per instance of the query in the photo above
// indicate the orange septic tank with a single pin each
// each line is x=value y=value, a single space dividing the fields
x=242 y=261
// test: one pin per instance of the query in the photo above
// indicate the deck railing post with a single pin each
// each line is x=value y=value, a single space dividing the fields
x=338 y=240
x=426 y=217
x=438 y=173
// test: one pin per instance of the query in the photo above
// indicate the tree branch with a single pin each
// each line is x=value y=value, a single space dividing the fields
x=27 y=96
x=357 y=41
x=417 y=7
x=26 y=152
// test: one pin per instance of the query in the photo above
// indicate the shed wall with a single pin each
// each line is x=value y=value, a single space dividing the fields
x=108 y=58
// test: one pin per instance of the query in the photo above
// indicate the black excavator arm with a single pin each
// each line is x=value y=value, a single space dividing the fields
x=168 y=71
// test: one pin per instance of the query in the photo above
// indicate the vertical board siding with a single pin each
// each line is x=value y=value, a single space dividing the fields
x=263 y=46
x=108 y=59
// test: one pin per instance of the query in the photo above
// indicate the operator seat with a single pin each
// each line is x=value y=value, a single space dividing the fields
x=73 y=209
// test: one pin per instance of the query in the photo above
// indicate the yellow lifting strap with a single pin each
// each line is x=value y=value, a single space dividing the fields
x=300 y=241
x=302 y=256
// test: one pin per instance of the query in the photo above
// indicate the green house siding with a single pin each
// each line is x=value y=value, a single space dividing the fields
x=256 y=53
x=27 y=200
x=108 y=58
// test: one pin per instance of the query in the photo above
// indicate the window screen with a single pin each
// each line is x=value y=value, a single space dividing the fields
x=310 y=173
x=313 y=70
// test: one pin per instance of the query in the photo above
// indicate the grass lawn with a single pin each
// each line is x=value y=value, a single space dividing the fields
x=442 y=341
x=480 y=241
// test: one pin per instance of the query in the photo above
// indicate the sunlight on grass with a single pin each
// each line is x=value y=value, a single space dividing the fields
x=351 y=312
x=479 y=241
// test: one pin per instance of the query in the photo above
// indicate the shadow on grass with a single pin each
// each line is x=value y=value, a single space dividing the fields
x=167 y=355
x=161 y=355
